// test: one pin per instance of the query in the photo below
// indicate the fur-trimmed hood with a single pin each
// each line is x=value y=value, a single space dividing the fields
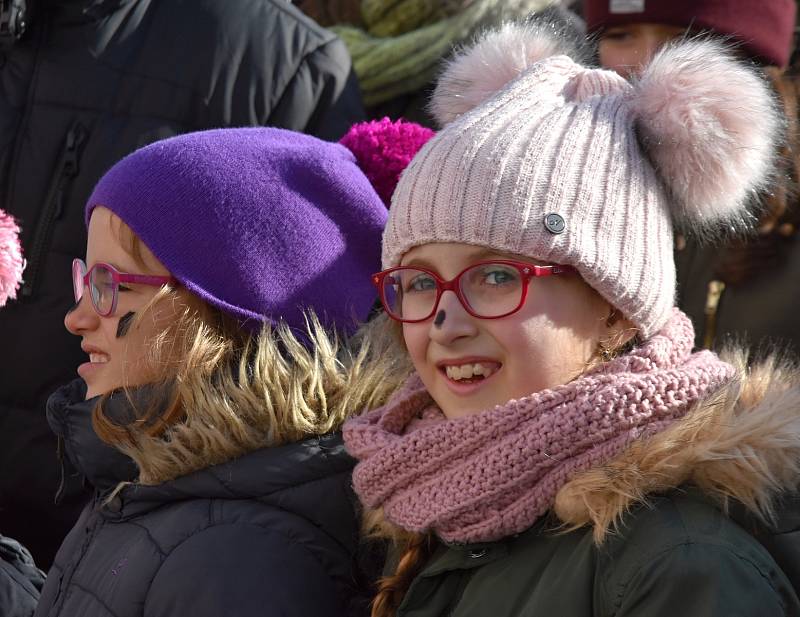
x=741 y=446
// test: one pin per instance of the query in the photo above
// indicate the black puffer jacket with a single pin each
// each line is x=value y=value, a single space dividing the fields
x=20 y=580
x=271 y=533
x=91 y=81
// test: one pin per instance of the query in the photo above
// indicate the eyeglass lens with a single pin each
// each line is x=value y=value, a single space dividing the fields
x=101 y=286
x=490 y=289
x=78 y=272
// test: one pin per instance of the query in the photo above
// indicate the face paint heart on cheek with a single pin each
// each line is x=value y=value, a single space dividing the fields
x=125 y=323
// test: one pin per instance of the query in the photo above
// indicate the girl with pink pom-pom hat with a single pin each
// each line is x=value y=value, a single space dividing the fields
x=558 y=448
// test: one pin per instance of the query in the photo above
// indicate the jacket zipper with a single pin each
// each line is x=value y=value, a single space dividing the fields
x=66 y=171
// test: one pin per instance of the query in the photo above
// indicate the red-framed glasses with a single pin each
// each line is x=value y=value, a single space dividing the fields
x=103 y=281
x=487 y=289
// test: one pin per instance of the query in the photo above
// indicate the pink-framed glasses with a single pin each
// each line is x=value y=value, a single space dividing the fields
x=103 y=281
x=487 y=289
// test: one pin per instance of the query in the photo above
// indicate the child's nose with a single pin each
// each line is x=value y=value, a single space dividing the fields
x=451 y=321
x=81 y=317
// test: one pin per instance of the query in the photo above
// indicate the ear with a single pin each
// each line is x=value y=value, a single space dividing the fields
x=619 y=330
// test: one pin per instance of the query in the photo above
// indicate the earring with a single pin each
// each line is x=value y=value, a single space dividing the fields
x=606 y=354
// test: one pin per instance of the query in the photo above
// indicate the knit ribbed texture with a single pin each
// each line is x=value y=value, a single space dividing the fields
x=558 y=139
x=484 y=477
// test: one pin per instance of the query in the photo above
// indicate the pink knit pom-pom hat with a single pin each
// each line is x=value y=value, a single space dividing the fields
x=545 y=158
x=11 y=261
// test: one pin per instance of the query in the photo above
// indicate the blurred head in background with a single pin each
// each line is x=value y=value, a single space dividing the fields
x=630 y=31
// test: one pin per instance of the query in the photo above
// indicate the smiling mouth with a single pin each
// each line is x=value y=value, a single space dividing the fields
x=471 y=372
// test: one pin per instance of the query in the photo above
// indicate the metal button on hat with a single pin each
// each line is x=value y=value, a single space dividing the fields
x=554 y=223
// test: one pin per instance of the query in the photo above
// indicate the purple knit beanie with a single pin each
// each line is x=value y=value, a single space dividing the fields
x=262 y=223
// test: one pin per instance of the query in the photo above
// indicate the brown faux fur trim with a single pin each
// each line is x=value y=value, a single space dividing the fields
x=743 y=443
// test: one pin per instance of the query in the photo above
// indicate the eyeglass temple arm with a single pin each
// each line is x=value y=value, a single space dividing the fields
x=552 y=270
x=145 y=279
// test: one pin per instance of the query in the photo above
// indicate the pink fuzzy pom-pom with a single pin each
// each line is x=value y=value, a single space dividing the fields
x=478 y=72
x=384 y=149
x=710 y=125
x=11 y=261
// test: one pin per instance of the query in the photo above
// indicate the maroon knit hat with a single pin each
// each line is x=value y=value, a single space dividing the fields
x=763 y=27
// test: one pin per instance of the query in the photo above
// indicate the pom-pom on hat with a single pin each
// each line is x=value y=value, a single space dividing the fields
x=384 y=149
x=11 y=262
x=573 y=165
x=262 y=223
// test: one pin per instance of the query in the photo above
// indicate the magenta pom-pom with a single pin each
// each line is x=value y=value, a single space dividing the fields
x=384 y=149
x=11 y=261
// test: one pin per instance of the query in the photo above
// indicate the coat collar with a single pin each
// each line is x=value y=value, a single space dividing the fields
x=264 y=474
x=740 y=447
x=70 y=418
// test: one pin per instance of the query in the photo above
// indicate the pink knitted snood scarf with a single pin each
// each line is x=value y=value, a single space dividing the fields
x=487 y=476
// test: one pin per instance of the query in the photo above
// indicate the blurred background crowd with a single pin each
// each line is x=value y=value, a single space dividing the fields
x=85 y=82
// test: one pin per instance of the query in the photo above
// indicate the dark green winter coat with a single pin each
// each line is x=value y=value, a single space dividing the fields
x=652 y=537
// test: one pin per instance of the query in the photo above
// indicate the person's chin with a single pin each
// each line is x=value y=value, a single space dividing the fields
x=95 y=385
x=467 y=398
x=462 y=406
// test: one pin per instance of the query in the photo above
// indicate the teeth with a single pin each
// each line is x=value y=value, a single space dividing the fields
x=467 y=371
x=98 y=358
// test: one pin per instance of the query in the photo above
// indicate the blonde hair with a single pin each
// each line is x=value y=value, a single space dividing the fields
x=222 y=392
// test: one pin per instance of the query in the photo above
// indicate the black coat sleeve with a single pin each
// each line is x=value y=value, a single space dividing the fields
x=242 y=570
x=698 y=579
x=322 y=98
x=20 y=580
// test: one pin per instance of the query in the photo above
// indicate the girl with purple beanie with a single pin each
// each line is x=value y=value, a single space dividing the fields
x=558 y=448
x=224 y=273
